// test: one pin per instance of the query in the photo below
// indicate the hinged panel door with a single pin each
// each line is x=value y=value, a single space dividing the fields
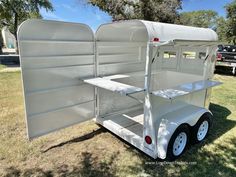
x=55 y=57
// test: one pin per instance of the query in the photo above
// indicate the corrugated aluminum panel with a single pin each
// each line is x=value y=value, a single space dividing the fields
x=55 y=57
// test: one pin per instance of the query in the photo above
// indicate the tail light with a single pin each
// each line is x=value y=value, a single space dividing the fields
x=156 y=39
x=148 y=139
x=219 y=56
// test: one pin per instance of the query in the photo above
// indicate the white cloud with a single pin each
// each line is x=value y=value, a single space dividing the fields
x=51 y=15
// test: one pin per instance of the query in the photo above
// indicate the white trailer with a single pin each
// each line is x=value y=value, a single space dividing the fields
x=147 y=82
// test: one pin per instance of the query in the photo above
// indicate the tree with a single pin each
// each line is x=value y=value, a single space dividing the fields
x=231 y=22
x=13 y=12
x=154 y=10
x=221 y=29
x=201 y=18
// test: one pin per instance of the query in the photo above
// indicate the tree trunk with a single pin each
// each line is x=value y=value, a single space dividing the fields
x=15 y=30
x=15 y=25
x=1 y=43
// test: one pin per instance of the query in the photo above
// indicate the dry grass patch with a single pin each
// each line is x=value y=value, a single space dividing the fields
x=89 y=150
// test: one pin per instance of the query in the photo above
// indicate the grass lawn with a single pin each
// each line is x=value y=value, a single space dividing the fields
x=88 y=150
x=2 y=67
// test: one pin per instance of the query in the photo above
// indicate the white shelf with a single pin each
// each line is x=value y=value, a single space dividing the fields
x=185 y=89
x=118 y=87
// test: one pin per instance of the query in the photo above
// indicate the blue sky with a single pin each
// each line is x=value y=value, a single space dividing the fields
x=77 y=11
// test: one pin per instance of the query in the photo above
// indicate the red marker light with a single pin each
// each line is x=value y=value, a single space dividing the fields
x=219 y=56
x=148 y=139
x=156 y=39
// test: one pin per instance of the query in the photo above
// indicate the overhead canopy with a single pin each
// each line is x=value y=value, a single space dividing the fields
x=144 y=31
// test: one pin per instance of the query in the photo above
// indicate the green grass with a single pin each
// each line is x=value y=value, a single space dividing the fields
x=88 y=150
x=2 y=67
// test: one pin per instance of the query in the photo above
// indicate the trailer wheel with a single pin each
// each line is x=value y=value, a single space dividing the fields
x=178 y=142
x=201 y=129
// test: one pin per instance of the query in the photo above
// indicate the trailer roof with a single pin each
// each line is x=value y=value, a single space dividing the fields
x=144 y=31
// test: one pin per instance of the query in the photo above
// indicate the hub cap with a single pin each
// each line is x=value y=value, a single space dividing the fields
x=202 y=131
x=180 y=143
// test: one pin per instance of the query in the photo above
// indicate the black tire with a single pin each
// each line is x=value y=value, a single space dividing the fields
x=170 y=154
x=205 y=117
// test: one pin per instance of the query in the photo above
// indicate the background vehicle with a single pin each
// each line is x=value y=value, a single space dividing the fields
x=226 y=58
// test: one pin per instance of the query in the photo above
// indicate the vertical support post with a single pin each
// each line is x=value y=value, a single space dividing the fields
x=149 y=54
x=148 y=125
x=206 y=76
x=179 y=58
x=96 y=75
x=206 y=64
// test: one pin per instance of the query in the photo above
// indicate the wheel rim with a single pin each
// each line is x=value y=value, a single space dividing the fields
x=202 y=130
x=179 y=143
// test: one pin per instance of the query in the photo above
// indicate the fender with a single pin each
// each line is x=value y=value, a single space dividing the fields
x=189 y=114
